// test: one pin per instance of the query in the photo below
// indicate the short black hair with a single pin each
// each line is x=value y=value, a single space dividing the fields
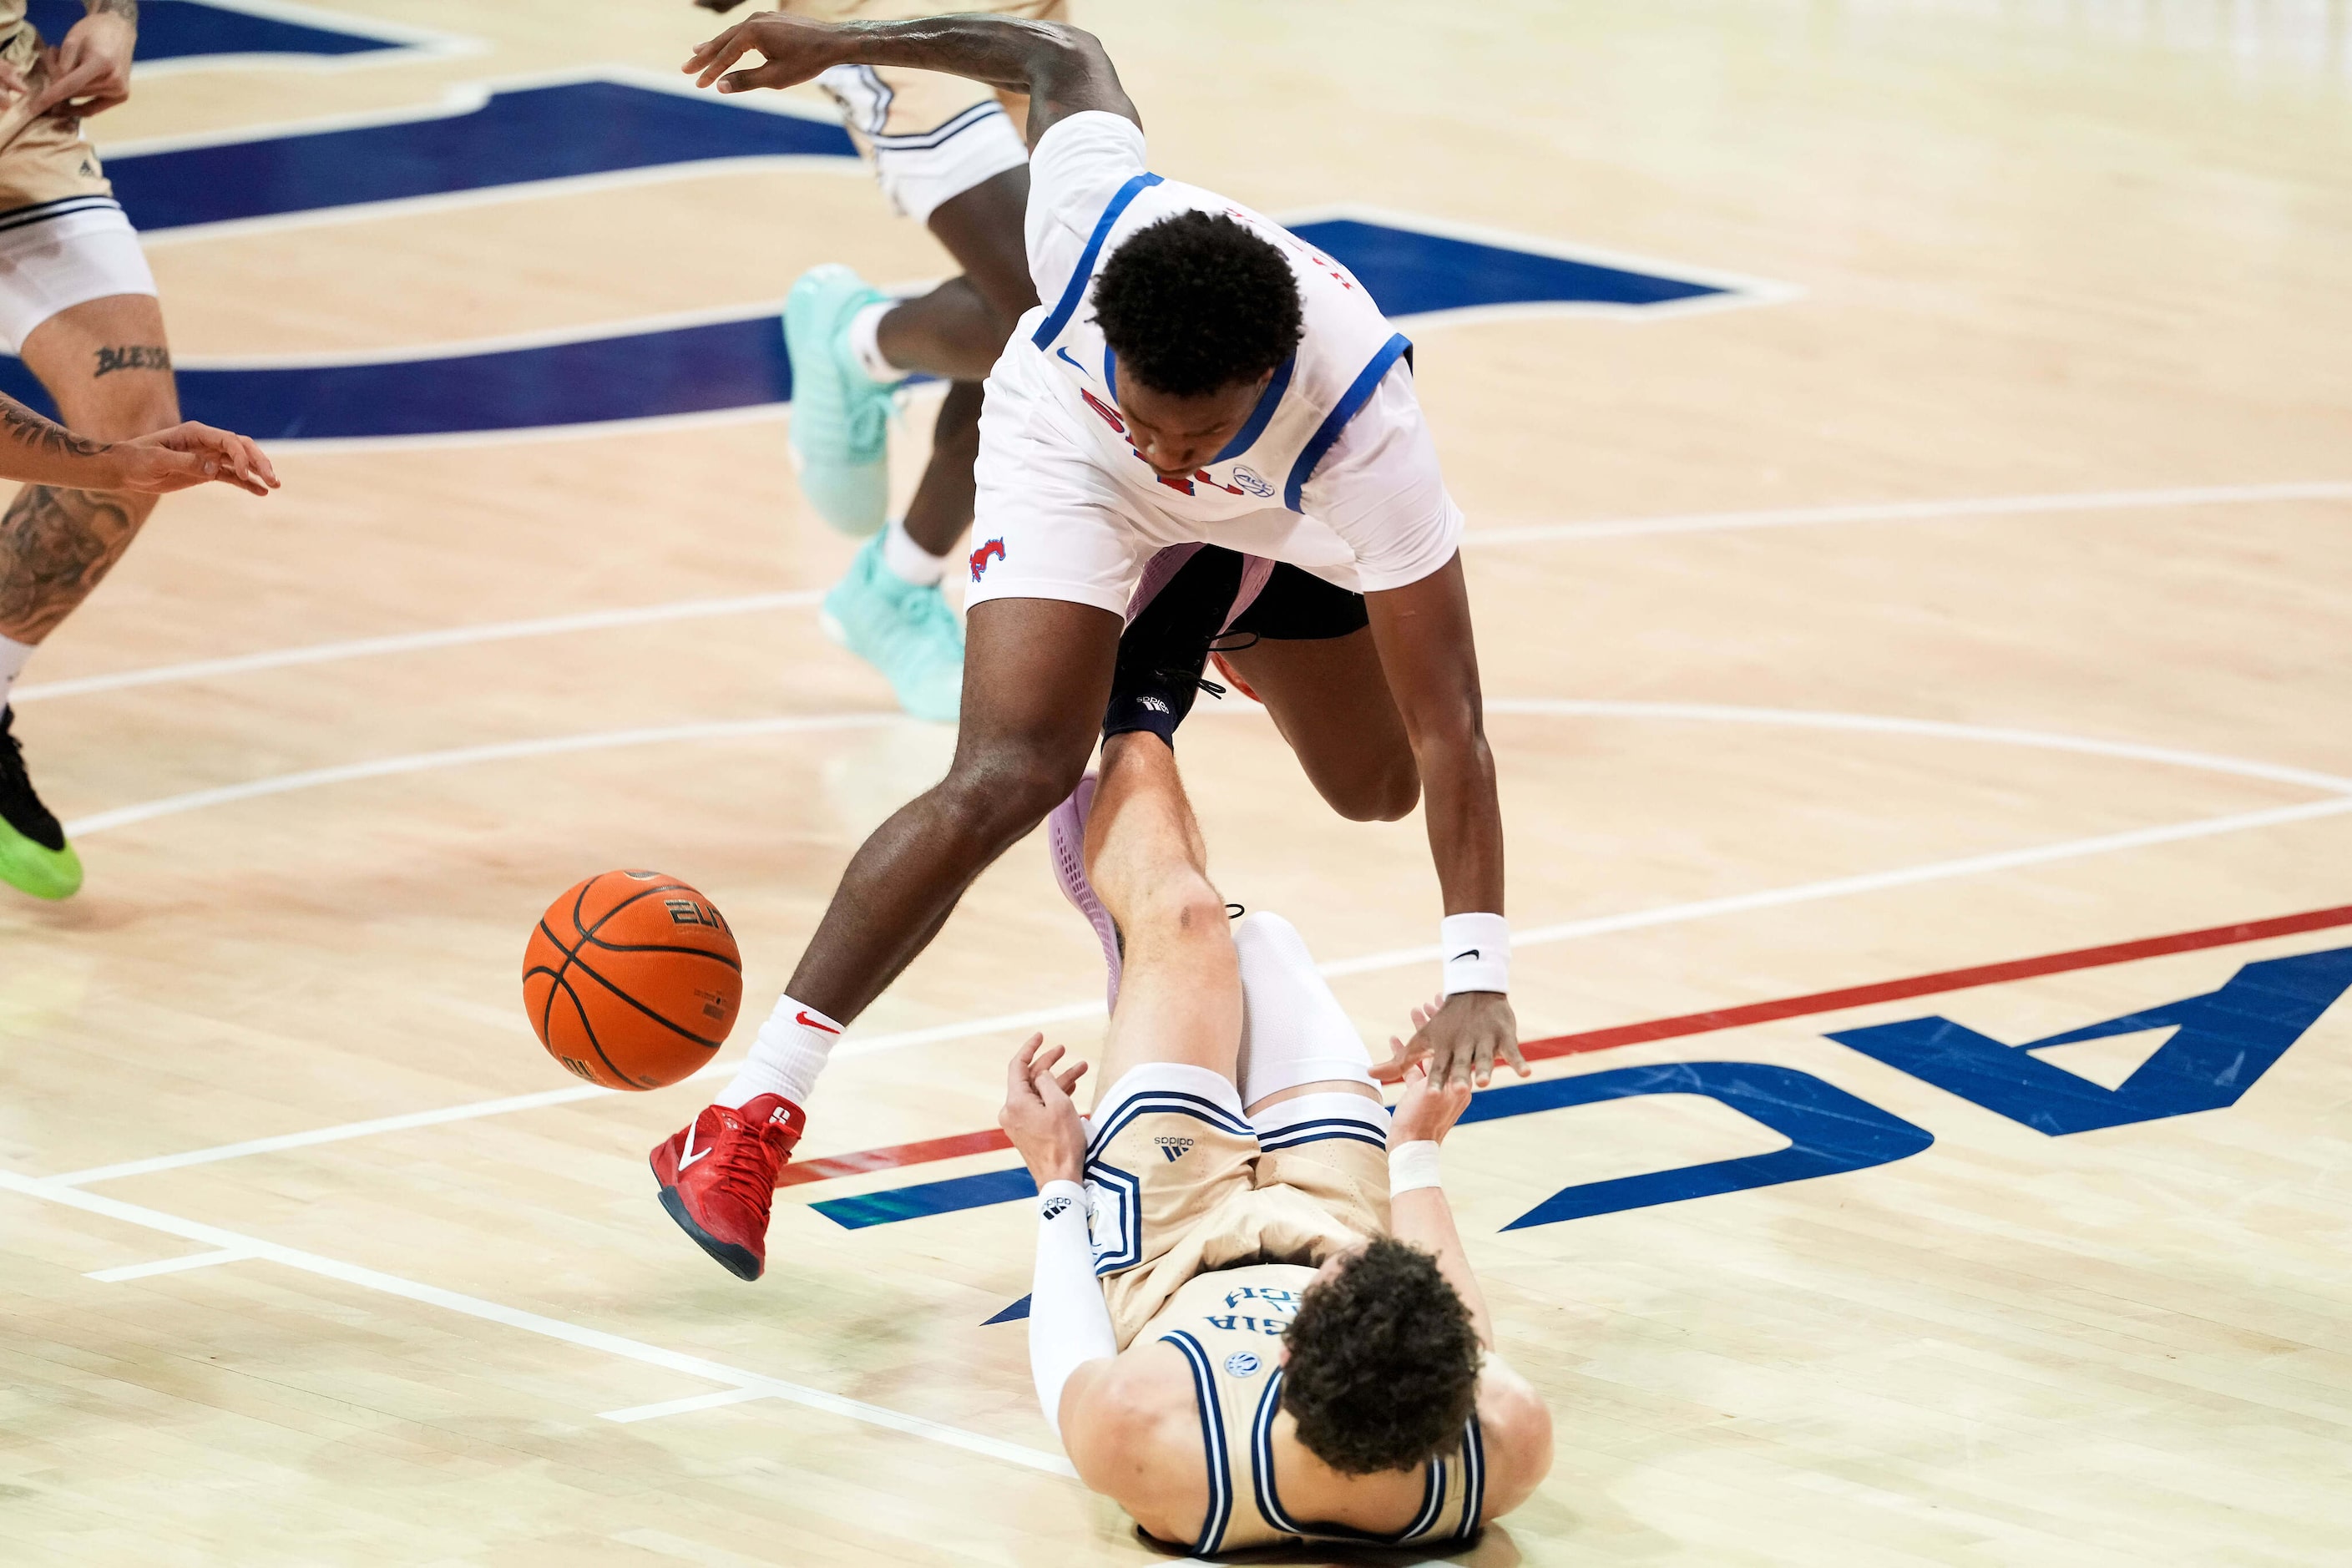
x=1383 y=1368
x=1196 y=303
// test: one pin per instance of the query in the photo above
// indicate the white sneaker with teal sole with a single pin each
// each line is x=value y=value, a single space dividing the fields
x=841 y=416
x=906 y=633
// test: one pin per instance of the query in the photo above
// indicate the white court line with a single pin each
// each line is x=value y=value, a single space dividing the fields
x=1913 y=511
x=168 y=1265
x=684 y=1407
x=414 y=642
x=1602 y=527
x=466 y=756
x=535 y=1323
x=1395 y=957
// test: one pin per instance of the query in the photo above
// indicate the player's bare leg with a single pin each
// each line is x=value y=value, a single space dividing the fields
x=1331 y=702
x=1179 y=995
x=107 y=364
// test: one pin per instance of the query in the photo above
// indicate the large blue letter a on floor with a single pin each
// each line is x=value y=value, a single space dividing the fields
x=2221 y=1042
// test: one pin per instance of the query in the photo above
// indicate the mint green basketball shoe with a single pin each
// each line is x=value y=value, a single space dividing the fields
x=841 y=416
x=33 y=854
x=906 y=633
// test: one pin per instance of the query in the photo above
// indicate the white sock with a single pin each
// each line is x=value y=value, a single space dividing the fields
x=12 y=655
x=785 y=1058
x=908 y=560
x=866 y=343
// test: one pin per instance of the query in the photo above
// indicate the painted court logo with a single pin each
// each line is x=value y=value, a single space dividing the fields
x=1174 y=1148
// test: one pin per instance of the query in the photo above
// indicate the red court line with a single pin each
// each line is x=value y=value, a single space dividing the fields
x=1685 y=1024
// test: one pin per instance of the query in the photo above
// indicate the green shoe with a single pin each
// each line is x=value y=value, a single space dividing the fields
x=33 y=854
x=841 y=416
x=906 y=633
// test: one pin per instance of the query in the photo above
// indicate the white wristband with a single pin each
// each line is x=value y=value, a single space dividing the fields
x=1412 y=1166
x=1477 y=949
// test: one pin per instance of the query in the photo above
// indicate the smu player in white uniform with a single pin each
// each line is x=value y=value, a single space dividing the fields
x=1195 y=381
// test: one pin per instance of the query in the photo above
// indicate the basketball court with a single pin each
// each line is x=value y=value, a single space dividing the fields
x=1908 y=459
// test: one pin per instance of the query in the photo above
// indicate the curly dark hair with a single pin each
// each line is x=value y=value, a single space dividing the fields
x=1383 y=1368
x=1196 y=303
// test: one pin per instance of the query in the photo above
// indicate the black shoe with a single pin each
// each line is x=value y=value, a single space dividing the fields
x=33 y=854
x=1164 y=649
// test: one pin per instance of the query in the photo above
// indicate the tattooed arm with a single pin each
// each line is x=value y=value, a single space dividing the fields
x=42 y=452
x=89 y=70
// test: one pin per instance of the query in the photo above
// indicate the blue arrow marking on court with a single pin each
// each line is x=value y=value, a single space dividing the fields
x=514 y=137
x=741 y=362
x=185 y=29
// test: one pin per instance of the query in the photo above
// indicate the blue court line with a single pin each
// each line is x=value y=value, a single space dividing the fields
x=517 y=136
x=185 y=29
x=741 y=362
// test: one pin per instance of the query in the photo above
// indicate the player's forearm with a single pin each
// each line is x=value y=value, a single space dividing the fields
x=1465 y=817
x=1423 y=1218
x=126 y=9
x=1063 y=70
x=37 y=451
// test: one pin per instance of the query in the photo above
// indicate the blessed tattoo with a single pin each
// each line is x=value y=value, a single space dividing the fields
x=132 y=356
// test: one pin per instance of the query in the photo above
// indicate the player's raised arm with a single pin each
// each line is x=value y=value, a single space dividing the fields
x=34 y=450
x=1063 y=70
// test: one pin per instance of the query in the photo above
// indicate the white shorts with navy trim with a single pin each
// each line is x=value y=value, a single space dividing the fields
x=52 y=261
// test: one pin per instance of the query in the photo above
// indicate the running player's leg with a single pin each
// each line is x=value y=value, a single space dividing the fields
x=106 y=363
x=946 y=155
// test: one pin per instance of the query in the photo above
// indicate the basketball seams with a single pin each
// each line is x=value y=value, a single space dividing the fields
x=589 y=970
x=734 y=964
x=580 y=1011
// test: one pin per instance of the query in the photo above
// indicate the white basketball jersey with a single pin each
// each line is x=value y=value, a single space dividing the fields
x=1347 y=347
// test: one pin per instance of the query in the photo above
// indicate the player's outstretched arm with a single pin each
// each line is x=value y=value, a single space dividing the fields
x=1063 y=70
x=1514 y=1422
x=34 y=450
x=1423 y=633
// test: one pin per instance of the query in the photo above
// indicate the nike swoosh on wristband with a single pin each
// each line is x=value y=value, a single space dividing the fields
x=1457 y=957
x=803 y=1017
x=689 y=1154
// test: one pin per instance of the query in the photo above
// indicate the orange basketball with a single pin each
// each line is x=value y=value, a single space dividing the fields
x=632 y=980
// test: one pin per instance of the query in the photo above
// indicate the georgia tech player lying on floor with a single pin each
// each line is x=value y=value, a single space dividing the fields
x=1272 y=1282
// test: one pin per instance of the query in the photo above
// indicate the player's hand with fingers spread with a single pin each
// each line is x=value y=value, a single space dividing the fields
x=795 y=50
x=1460 y=1037
x=1427 y=1111
x=1039 y=1116
x=191 y=454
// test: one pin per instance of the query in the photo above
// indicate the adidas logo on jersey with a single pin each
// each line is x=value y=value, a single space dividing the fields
x=1175 y=1148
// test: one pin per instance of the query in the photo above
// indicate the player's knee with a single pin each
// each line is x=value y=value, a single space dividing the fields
x=1177 y=909
x=1001 y=793
x=1377 y=795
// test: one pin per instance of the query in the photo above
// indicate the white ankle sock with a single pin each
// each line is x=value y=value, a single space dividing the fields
x=785 y=1058
x=908 y=560
x=12 y=655
x=866 y=343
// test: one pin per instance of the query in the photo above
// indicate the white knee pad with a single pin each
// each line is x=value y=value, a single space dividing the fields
x=1293 y=1029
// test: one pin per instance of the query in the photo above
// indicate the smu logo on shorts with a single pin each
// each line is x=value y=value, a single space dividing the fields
x=1175 y=1148
x=992 y=551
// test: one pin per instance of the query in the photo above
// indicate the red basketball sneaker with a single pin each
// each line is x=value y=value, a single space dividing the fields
x=719 y=1176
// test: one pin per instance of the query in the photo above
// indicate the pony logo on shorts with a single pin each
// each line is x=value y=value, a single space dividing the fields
x=1241 y=1364
x=1175 y=1148
x=992 y=551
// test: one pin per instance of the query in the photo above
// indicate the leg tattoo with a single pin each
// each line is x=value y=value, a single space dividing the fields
x=55 y=546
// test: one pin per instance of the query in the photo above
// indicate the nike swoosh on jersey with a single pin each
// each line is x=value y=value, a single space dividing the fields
x=1065 y=355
